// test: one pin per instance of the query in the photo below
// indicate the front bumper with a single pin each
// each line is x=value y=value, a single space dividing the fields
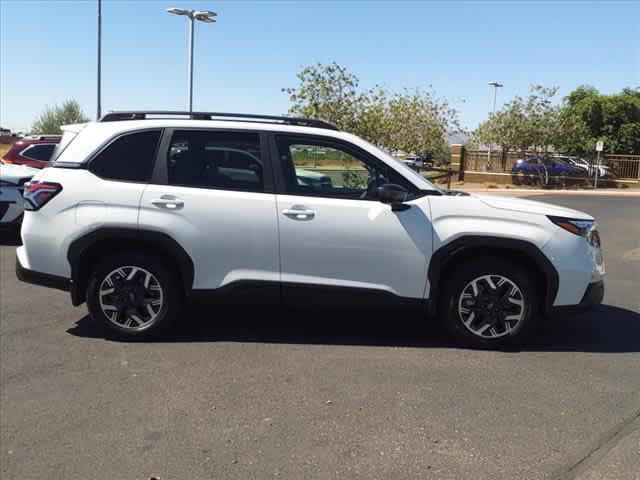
x=42 y=279
x=592 y=298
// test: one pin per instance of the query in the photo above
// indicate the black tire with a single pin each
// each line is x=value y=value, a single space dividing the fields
x=170 y=295
x=492 y=312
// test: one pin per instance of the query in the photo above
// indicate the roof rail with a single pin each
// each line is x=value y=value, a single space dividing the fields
x=235 y=117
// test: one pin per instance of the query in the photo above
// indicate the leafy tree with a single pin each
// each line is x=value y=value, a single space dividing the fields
x=412 y=121
x=327 y=92
x=522 y=123
x=587 y=116
x=507 y=128
x=418 y=123
x=52 y=118
x=541 y=116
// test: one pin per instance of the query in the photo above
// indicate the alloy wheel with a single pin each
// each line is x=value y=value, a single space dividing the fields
x=491 y=306
x=131 y=297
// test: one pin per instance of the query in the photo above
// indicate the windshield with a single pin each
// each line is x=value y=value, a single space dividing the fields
x=405 y=170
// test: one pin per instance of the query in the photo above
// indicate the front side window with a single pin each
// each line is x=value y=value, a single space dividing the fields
x=331 y=169
x=215 y=159
x=40 y=152
x=129 y=157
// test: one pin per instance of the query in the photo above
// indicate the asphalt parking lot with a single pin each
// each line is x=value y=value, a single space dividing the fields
x=300 y=394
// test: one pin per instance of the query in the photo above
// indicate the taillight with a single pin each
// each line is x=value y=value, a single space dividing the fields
x=37 y=194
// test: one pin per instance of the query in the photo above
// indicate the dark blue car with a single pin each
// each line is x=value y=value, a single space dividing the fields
x=546 y=166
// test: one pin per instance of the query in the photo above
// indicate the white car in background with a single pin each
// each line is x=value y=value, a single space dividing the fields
x=12 y=180
x=413 y=161
x=604 y=171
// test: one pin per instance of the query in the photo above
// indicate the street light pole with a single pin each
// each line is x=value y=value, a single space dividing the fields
x=190 y=64
x=99 y=86
x=193 y=15
x=495 y=86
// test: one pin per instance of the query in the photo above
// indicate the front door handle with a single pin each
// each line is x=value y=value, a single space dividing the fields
x=299 y=212
x=168 y=202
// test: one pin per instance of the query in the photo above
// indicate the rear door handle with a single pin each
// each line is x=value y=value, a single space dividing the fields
x=299 y=212
x=168 y=202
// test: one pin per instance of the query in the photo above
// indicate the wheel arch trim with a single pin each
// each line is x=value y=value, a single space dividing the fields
x=447 y=253
x=80 y=246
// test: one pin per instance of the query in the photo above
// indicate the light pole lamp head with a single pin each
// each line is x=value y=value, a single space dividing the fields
x=205 y=16
x=179 y=11
x=496 y=84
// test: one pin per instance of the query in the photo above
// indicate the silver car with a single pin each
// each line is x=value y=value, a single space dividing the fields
x=12 y=180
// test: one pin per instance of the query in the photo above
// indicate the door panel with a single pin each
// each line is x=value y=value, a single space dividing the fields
x=210 y=195
x=355 y=243
x=333 y=230
x=229 y=235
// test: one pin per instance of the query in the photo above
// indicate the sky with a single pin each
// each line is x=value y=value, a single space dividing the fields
x=48 y=51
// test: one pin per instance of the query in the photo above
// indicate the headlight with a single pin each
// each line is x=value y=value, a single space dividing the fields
x=576 y=226
x=593 y=237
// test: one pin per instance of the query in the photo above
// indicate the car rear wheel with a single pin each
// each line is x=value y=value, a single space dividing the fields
x=133 y=294
x=489 y=303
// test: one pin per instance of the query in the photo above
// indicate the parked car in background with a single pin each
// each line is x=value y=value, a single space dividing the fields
x=415 y=161
x=604 y=171
x=547 y=166
x=12 y=180
x=313 y=179
x=32 y=151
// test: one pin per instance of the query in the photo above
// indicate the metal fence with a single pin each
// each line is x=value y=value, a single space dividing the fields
x=624 y=166
x=477 y=160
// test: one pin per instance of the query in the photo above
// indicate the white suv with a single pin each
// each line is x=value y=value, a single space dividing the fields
x=142 y=211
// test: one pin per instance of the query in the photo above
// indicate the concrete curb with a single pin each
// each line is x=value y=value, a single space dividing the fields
x=521 y=191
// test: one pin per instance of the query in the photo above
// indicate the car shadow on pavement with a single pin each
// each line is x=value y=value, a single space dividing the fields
x=606 y=329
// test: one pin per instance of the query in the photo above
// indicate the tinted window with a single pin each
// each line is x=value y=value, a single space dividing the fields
x=39 y=152
x=211 y=159
x=128 y=158
x=329 y=169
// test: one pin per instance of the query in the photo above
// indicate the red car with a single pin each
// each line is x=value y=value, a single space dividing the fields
x=33 y=151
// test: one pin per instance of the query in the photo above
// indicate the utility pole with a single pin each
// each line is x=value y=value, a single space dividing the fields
x=99 y=89
x=495 y=86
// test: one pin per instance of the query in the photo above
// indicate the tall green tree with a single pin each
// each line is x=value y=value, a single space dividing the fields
x=522 y=123
x=418 y=122
x=415 y=121
x=52 y=118
x=508 y=127
x=327 y=92
x=587 y=116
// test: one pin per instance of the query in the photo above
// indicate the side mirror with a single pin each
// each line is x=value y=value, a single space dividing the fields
x=395 y=195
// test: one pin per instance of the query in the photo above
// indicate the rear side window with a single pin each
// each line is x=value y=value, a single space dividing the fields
x=129 y=158
x=67 y=138
x=40 y=152
x=215 y=159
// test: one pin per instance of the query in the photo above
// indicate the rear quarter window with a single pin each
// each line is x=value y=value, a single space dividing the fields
x=67 y=138
x=129 y=157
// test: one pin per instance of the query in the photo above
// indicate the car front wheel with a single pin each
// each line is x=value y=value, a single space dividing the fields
x=489 y=303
